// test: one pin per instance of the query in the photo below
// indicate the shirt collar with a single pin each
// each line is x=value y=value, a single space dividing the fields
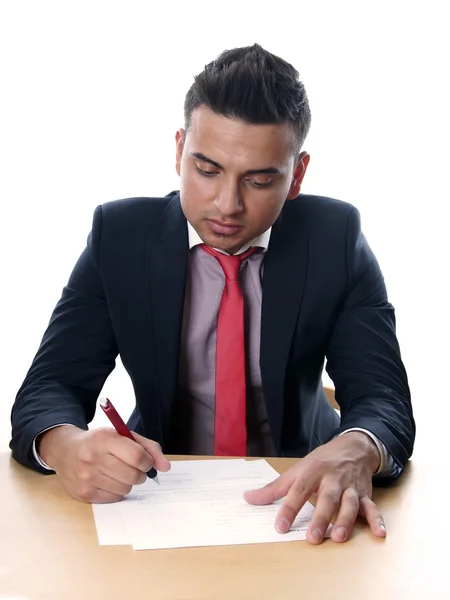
x=262 y=241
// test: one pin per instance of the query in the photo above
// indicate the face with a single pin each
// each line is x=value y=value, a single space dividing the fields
x=235 y=177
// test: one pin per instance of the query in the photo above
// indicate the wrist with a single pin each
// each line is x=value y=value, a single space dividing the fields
x=370 y=449
x=50 y=444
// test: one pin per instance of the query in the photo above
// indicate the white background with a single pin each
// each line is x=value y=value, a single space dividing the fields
x=91 y=96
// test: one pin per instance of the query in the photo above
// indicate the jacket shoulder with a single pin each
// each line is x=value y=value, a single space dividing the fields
x=313 y=209
x=134 y=210
x=322 y=217
x=124 y=225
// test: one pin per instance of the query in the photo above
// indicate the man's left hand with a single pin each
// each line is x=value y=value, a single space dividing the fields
x=340 y=474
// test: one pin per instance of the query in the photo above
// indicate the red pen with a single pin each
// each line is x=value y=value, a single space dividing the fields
x=121 y=428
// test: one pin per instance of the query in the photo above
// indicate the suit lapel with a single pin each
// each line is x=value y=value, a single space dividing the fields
x=285 y=266
x=167 y=266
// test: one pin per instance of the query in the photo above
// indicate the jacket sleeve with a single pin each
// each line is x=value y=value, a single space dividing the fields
x=363 y=357
x=76 y=355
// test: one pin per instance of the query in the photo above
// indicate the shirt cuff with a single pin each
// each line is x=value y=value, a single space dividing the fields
x=36 y=456
x=386 y=461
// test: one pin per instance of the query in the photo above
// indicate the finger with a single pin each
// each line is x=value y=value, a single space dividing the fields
x=102 y=497
x=152 y=448
x=111 y=485
x=129 y=452
x=116 y=469
x=328 y=501
x=273 y=491
x=346 y=518
x=370 y=511
x=300 y=491
x=102 y=489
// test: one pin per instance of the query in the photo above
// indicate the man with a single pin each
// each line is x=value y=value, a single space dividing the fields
x=156 y=284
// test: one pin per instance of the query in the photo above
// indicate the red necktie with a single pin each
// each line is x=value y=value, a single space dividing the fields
x=230 y=426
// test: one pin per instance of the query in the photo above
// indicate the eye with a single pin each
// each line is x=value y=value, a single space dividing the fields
x=258 y=184
x=206 y=173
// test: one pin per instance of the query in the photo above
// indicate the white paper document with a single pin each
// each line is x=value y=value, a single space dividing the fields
x=198 y=503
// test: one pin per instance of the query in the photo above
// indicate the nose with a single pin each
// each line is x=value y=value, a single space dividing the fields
x=228 y=199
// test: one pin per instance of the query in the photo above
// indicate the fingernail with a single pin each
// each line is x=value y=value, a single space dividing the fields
x=341 y=534
x=316 y=535
x=282 y=526
x=382 y=527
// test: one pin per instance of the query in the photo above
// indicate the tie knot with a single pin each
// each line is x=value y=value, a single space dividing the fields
x=230 y=263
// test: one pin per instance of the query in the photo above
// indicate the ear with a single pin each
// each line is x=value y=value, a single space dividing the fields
x=179 y=141
x=299 y=173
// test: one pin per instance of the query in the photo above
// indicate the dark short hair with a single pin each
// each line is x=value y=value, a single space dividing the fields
x=252 y=85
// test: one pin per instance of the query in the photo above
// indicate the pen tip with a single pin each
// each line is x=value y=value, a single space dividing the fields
x=156 y=479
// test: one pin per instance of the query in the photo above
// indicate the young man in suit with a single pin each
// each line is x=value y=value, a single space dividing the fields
x=223 y=301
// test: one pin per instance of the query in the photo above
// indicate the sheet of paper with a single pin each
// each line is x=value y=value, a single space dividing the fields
x=198 y=503
x=111 y=529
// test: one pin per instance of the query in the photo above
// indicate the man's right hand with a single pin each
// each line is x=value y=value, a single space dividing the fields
x=99 y=465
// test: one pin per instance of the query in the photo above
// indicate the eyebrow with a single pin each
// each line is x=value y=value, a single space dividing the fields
x=204 y=158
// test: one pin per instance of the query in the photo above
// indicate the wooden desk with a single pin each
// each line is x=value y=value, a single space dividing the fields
x=49 y=550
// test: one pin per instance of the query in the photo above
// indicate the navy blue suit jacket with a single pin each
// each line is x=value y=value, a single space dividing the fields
x=323 y=295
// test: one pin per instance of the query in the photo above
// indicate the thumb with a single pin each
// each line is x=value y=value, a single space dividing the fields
x=152 y=448
x=273 y=491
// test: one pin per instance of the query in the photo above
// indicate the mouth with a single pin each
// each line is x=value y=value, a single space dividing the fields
x=221 y=228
